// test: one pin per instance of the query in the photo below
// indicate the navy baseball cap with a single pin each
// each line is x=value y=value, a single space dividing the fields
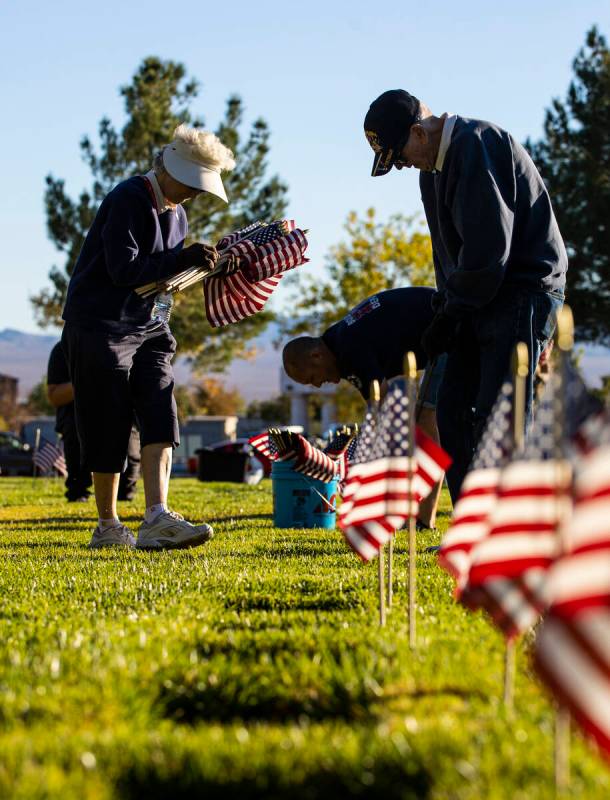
x=387 y=125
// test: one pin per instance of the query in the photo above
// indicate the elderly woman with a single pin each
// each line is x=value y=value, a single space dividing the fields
x=118 y=344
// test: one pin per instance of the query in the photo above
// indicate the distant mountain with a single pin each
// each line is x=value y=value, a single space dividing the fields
x=25 y=356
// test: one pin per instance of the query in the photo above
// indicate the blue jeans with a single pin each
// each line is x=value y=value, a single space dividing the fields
x=431 y=382
x=481 y=361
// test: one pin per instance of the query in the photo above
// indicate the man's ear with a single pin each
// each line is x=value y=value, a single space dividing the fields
x=420 y=133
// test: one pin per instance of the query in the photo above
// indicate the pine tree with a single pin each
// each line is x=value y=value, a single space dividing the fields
x=574 y=160
x=158 y=99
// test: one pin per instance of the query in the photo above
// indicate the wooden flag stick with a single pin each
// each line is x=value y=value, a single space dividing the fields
x=561 y=766
x=381 y=590
x=375 y=394
x=520 y=372
x=411 y=376
x=36 y=448
x=390 y=577
x=565 y=343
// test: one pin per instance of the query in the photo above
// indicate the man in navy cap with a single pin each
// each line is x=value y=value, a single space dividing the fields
x=499 y=258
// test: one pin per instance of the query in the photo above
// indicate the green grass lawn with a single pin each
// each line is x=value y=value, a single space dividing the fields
x=250 y=667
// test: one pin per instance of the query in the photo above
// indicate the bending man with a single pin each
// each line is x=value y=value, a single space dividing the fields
x=370 y=344
x=499 y=258
x=118 y=346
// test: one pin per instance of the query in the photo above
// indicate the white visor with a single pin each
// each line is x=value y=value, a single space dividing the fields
x=178 y=161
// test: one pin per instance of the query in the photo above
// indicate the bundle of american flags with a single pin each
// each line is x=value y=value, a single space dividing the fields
x=282 y=445
x=49 y=457
x=385 y=482
x=251 y=264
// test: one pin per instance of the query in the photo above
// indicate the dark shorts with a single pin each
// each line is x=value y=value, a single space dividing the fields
x=115 y=377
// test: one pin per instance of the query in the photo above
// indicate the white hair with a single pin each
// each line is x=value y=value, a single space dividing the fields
x=206 y=147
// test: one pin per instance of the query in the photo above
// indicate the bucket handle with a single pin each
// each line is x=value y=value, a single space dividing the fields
x=320 y=495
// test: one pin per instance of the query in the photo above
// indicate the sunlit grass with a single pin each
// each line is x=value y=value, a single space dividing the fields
x=250 y=667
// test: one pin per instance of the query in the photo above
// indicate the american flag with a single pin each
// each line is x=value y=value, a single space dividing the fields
x=315 y=463
x=432 y=463
x=49 y=457
x=264 y=445
x=508 y=564
x=339 y=444
x=362 y=532
x=264 y=253
x=480 y=490
x=308 y=460
x=572 y=651
x=345 y=459
x=384 y=484
x=258 y=233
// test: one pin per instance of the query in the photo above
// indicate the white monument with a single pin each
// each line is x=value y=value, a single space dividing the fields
x=299 y=397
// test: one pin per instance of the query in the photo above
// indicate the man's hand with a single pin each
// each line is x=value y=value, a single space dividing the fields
x=439 y=335
x=197 y=255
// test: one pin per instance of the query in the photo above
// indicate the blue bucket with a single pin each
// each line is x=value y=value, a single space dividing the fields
x=300 y=501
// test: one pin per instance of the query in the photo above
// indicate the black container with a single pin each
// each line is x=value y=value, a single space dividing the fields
x=214 y=465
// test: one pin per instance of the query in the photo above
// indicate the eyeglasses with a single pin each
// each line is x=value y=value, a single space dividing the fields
x=402 y=143
x=398 y=162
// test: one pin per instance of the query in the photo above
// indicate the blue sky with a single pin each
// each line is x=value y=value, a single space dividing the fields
x=310 y=71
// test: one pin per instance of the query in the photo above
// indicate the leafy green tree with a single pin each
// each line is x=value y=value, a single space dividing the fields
x=574 y=160
x=38 y=402
x=376 y=256
x=276 y=409
x=159 y=98
x=208 y=397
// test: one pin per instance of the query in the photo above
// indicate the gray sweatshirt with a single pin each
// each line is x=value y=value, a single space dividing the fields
x=490 y=220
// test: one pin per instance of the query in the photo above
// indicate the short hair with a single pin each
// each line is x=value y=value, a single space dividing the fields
x=205 y=147
x=158 y=166
x=298 y=351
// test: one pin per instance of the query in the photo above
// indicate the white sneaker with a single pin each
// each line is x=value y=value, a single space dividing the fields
x=170 y=531
x=119 y=536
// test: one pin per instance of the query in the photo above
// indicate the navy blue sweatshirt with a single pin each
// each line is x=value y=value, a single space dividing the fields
x=490 y=220
x=128 y=245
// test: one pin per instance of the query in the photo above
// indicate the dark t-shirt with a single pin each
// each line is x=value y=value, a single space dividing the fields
x=57 y=372
x=370 y=343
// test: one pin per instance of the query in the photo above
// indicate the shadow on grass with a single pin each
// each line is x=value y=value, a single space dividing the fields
x=299 y=548
x=46 y=520
x=390 y=778
x=253 y=702
x=237 y=518
x=297 y=602
x=36 y=545
x=453 y=691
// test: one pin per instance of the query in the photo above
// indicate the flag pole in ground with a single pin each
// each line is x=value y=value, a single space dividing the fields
x=390 y=576
x=520 y=371
x=375 y=395
x=36 y=447
x=421 y=395
x=410 y=369
x=565 y=343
